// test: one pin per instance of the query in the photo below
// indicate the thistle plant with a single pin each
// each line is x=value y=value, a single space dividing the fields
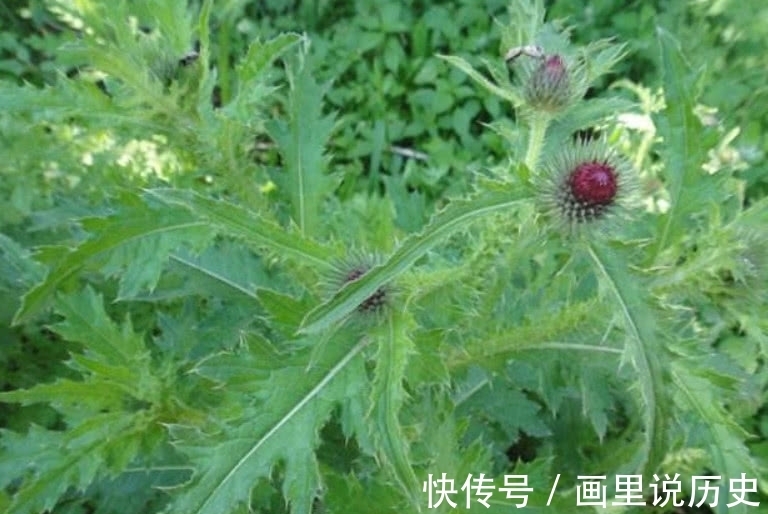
x=567 y=314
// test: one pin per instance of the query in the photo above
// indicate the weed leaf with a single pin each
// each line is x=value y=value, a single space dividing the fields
x=134 y=243
x=683 y=137
x=301 y=141
x=296 y=404
x=237 y=221
x=387 y=397
x=643 y=349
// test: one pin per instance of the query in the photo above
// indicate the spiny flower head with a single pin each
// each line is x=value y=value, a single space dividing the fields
x=548 y=86
x=593 y=184
x=586 y=183
x=353 y=268
x=553 y=76
x=374 y=302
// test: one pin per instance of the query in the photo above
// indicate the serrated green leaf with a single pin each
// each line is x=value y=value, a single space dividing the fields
x=203 y=28
x=526 y=19
x=19 y=453
x=602 y=55
x=284 y=310
x=252 y=88
x=240 y=222
x=298 y=401
x=441 y=435
x=301 y=140
x=117 y=374
x=427 y=366
x=140 y=263
x=74 y=459
x=115 y=366
x=683 y=137
x=245 y=370
x=109 y=414
x=456 y=216
x=387 y=398
x=643 y=349
x=94 y=394
x=723 y=438
x=596 y=400
x=542 y=333
x=224 y=264
x=587 y=114
x=261 y=54
x=501 y=403
x=347 y=494
x=134 y=242
x=506 y=94
x=17 y=268
x=207 y=78
x=86 y=322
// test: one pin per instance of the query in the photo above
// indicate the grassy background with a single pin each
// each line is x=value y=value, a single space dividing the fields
x=408 y=123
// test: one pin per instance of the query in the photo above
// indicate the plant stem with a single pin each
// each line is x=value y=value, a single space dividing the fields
x=224 y=69
x=642 y=150
x=539 y=123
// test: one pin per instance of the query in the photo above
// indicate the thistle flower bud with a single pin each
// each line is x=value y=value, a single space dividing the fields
x=351 y=269
x=548 y=87
x=586 y=182
x=374 y=302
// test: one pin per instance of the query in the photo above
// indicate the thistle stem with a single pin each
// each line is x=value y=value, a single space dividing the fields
x=539 y=123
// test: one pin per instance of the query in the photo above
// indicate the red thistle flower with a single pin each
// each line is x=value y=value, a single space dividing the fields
x=586 y=182
x=592 y=185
